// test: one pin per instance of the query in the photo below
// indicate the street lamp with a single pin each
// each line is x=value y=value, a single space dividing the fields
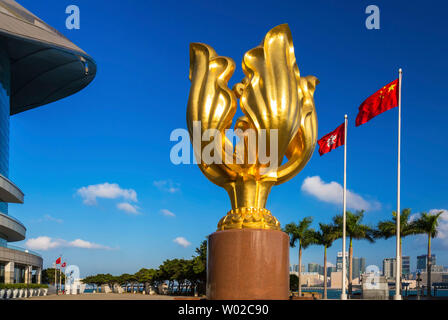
x=419 y=279
x=405 y=285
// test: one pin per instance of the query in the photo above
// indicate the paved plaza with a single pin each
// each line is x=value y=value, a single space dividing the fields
x=104 y=296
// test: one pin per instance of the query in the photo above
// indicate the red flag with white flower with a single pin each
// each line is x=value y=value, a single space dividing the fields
x=332 y=140
x=63 y=265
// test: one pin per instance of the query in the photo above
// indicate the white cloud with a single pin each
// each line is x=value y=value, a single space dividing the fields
x=50 y=218
x=443 y=226
x=167 y=213
x=47 y=217
x=79 y=243
x=128 y=208
x=46 y=243
x=43 y=243
x=167 y=186
x=332 y=193
x=105 y=190
x=182 y=241
x=414 y=217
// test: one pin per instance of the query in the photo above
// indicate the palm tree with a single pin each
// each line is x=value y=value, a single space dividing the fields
x=326 y=236
x=427 y=223
x=355 y=231
x=388 y=228
x=302 y=234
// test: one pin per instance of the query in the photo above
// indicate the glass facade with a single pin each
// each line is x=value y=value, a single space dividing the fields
x=406 y=266
x=2 y=272
x=315 y=267
x=4 y=118
x=19 y=273
x=422 y=260
x=359 y=267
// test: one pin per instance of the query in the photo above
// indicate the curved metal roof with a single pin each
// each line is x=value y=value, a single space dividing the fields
x=45 y=66
x=9 y=192
x=11 y=229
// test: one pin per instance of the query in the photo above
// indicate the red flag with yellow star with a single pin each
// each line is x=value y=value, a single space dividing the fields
x=384 y=99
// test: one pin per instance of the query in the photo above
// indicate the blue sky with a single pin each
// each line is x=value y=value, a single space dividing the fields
x=117 y=130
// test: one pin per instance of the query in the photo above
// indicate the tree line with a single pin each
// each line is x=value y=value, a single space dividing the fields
x=302 y=235
x=189 y=275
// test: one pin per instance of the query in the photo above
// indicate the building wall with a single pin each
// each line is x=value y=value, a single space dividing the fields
x=389 y=267
x=435 y=277
x=310 y=279
x=17 y=266
x=315 y=267
x=20 y=257
x=5 y=81
x=336 y=280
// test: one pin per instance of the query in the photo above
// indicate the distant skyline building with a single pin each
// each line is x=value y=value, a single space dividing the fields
x=359 y=267
x=315 y=267
x=339 y=261
x=436 y=277
x=330 y=270
x=406 y=266
x=390 y=267
x=422 y=261
x=38 y=65
x=319 y=269
x=436 y=268
x=295 y=268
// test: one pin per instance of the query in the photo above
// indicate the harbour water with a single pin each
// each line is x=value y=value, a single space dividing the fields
x=331 y=293
x=336 y=293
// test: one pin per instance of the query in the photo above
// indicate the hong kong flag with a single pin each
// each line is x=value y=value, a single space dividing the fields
x=63 y=265
x=332 y=140
x=384 y=99
x=58 y=260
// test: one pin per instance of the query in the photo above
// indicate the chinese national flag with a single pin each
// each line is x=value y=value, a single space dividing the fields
x=58 y=260
x=332 y=140
x=384 y=99
x=63 y=265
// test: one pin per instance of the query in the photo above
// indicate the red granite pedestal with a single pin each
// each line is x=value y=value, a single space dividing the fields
x=248 y=264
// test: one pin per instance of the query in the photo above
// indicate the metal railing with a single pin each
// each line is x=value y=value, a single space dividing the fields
x=23 y=250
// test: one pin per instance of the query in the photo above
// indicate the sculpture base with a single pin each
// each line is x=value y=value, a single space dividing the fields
x=248 y=264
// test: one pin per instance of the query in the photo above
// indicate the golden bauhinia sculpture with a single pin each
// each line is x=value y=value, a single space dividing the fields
x=279 y=116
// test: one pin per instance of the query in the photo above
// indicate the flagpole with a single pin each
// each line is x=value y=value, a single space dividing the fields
x=55 y=278
x=60 y=274
x=344 y=209
x=398 y=258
